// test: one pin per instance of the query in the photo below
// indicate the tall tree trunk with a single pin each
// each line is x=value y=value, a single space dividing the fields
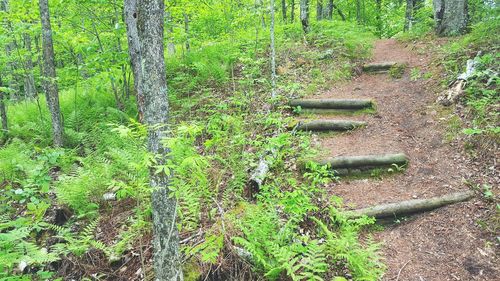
x=292 y=11
x=319 y=10
x=331 y=6
x=170 y=31
x=150 y=23
x=451 y=17
x=3 y=111
x=283 y=9
x=412 y=7
x=304 y=15
x=186 y=30
x=358 y=11
x=134 y=52
x=29 y=80
x=273 y=54
x=378 y=16
x=49 y=75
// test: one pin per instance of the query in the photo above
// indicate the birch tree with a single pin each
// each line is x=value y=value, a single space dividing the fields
x=49 y=75
x=150 y=26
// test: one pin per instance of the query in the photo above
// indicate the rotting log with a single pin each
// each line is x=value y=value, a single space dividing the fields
x=351 y=104
x=411 y=206
x=349 y=162
x=379 y=66
x=329 y=125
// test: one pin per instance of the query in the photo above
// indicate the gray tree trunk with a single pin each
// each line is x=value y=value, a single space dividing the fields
x=186 y=30
x=3 y=111
x=451 y=17
x=170 y=31
x=273 y=54
x=283 y=9
x=412 y=7
x=134 y=52
x=304 y=15
x=49 y=75
x=150 y=23
x=319 y=10
x=29 y=80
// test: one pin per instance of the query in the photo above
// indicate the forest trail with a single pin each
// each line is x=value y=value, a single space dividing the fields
x=444 y=244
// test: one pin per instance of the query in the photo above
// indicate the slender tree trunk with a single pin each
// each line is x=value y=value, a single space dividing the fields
x=304 y=15
x=49 y=75
x=378 y=16
x=283 y=9
x=451 y=17
x=319 y=10
x=29 y=80
x=292 y=11
x=186 y=30
x=170 y=31
x=334 y=6
x=358 y=11
x=273 y=54
x=150 y=23
x=130 y=15
x=3 y=111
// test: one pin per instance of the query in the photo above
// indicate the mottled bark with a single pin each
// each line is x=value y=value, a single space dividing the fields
x=29 y=79
x=49 y=75
x=319 y=10
x=130 y=17
x=150 y=23
x=273 y=54
x=451 y=17
x=304 y=15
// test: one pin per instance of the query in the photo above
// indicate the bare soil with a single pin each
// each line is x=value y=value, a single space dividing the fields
x=448 y=243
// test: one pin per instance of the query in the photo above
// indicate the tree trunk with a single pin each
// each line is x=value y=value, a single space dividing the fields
x=411 y=206
x=49 y=75
x=412 y=7
x=150 y=23
x=358 y=11
x=186 y=30
x=3 y=111
x=273 y=54
x=378 y=16
x=29 y=80
x=329 y=10
x=292 y=11
x=319 y=10
x=365 y=161
x=304 y=15
x=283 y=9
x=451 y=17
x=130 y=17
x=332 y=103
x=170 y=31
x=330 y=125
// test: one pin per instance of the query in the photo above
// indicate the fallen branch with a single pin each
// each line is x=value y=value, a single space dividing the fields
x=456 y=88
x=347 y=162
x=332 y=103
x=411 y=206
x=329 y=125
x=379 y=66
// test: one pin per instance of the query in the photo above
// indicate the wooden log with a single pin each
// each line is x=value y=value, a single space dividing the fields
x=352 y=104
x=411 y=206
x=349 y=162
x=329 y=125
x=378 y=66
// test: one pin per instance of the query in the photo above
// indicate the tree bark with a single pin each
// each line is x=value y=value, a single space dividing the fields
x=49 y=75
x=332 y=103
x=319 y=10
x=304 y=15
x=350 y=162
x=130 y=17
x=150 y=23
x=329 y=125
x=3 y=111
x=273 y=54
x=29 y=79
x=292 y=11
x=170 y=31
x=186 y=30
x=411 y=206
x=283 y=9
x=379 y=66
x=451 y=17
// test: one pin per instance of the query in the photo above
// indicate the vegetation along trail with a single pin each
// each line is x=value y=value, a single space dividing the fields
x=444 y=244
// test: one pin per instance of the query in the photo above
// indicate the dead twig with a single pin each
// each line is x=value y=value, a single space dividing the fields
x=401 y=269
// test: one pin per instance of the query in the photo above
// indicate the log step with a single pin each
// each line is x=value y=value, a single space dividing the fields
x=411 y=206
x=330 y=125
x=379 y=66
x=365 y=161
x=340 y=104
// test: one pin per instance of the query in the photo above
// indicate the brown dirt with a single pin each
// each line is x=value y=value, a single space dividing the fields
x=448 y=243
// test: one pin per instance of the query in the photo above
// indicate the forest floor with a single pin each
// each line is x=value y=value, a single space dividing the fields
x=449 y=243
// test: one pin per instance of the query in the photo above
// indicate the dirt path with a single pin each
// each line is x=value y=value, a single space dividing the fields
x=446 y=244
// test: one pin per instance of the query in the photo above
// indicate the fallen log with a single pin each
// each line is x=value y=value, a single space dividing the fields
x=411 y=206
x=349 y=162
x=379 y=66
x=329 y=125
x=350 y=104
